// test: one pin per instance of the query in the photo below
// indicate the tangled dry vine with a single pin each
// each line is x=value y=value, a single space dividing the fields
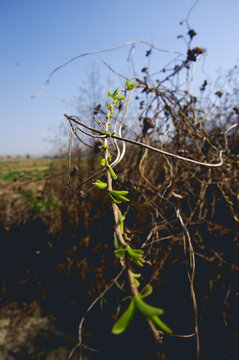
x=128 y=255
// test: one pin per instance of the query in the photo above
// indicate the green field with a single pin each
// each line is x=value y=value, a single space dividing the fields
x=25 y=170
x=23 y=184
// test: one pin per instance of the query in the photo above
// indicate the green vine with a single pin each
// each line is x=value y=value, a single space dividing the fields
x=123 y=251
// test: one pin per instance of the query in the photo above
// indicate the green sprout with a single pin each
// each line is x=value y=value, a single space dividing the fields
x=118 y=196
x=137 y=303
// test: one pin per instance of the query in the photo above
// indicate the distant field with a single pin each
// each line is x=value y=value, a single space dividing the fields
x=26 y=169
x=34 y=185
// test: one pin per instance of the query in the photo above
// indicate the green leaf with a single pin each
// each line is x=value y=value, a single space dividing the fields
x=120 y=252
x=100 y=184
x=146 y=309
x=102 y=162
x=112 y=173
x=121 y=225
x=147 y=292
x=160 y=324
x=117 y=244
x=121 y=219
x=119 y=192
x=136 y=254
x=115 y=92
x=118 y=196
x=135 y=277
x=121 y=97
x=117 y=201
x=119 y=286
x=129 y=85
x=105 y=147
x=133 y=253
x=123 y=322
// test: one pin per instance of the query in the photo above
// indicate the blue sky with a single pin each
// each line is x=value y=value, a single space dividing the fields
x=37 y=36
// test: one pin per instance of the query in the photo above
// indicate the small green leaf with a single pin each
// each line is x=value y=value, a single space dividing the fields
x=123 y=322
x=147 y=292
x=121 y=97
x=119 y=192
x=117 y=244
x=100 y=184
x=129 y=85
x=119 y=286
x=136 y=254
x=121 y=219
x=146 y=309
x=115 y=199
x=133 y=253
x=115 y=92
x=112 y=173
x=102 y=162
x=118 y=196
x=160 y=324
x=135 y=277
x=105 y=147
x=120 y=252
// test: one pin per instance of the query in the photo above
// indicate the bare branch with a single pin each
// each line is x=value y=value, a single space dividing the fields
x=75 y=119
x=99 y=52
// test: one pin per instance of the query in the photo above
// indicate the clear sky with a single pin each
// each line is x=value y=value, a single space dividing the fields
x=36 y=36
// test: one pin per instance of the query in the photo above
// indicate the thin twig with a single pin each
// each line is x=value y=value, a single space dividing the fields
x=98 y=52
x=107 y=288
x=75 y=119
